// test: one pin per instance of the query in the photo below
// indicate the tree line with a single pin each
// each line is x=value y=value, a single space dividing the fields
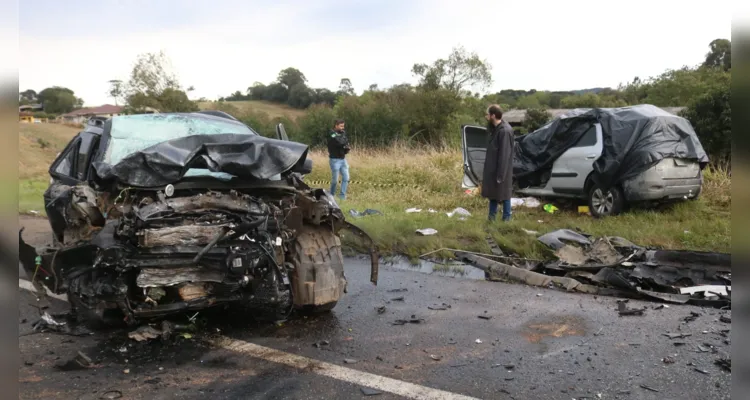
x=446 y=96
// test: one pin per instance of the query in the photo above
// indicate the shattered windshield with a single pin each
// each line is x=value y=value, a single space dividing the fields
x=133 y=133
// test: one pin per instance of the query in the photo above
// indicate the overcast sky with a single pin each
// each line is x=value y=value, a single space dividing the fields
x=220 y=46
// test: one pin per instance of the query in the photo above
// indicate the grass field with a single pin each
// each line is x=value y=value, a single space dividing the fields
x=431 y=179
x=273 y=110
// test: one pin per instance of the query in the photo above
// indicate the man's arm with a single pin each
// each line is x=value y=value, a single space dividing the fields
x=343 y=141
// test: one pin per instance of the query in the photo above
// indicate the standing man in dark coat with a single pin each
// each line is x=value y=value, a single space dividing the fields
x=497 y=180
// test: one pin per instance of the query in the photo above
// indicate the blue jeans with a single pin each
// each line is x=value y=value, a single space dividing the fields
x=506 y=210
x=339 y=165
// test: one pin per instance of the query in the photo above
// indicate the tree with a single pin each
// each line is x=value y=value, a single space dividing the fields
x=277 y=93
x=373 y=87
x=460 y=71
x=324 y=96
x=345 y=87
x=58 y=100
x=536 y=118
x=257 y=91
x=115 y=90
x=153 y=84
x=711 y=117
x=175 y=100
x=720 y=55
x=300 y=96
x=27 y=97
x=290 y=77
x=151 y=75
x=236 y=96
x=527 y=102
x=588 y=100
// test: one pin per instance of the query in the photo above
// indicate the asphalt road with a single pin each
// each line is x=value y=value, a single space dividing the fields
x=537 y=343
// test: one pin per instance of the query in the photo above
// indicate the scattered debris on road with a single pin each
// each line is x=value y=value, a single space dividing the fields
x=350 y=361
x=614 y=266
x=111 y=394
x=321 y=343
x=484 y=316
x=623 y=309
x=668 y=360
x=677 y=335
x=144 y=333
x=412 y=320
x=649 y=388
x=439 y=307
x=380 y=309
x=80 y=361
x=725 y=363
x=702 y=371
x=370 y=392
x=400 y=298
x=398 y=290
x=692 y=317
x=725 y=319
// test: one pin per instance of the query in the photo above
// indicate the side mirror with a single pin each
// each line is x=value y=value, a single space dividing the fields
x=281 y=132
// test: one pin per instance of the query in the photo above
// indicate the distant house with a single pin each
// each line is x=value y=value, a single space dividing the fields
x=30 y=108
x=82 y=115
x=26 y=113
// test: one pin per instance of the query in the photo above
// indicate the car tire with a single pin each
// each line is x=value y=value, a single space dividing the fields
x=317 y=245
x=605 y=203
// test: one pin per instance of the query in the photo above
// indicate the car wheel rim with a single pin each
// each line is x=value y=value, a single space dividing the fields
x=603 y=203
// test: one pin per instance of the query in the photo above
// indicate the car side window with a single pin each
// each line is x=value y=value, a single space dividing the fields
x=65 y=167
x=588 y=139
x=84 y=150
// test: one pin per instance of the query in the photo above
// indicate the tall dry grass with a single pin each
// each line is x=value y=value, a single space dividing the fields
x=431 y=178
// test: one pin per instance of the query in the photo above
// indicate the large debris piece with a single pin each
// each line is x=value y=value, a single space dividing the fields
x=616 y=266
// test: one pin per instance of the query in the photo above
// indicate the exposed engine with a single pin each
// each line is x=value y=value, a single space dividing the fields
x=157 y=255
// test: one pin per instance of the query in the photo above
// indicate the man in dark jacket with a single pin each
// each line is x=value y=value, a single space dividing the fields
x=338 y=147
x=497 y=180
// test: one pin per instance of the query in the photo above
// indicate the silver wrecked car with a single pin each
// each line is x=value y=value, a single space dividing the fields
x=608 y=157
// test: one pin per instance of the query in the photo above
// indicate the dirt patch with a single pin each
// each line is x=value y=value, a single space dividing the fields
x=538 y=329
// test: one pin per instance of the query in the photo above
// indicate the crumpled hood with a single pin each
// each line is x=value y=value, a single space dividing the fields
x=244 y=156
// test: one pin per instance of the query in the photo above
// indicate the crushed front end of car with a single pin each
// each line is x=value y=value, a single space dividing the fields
x=145 y=239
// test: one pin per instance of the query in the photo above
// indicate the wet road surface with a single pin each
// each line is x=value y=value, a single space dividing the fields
x=537 y=343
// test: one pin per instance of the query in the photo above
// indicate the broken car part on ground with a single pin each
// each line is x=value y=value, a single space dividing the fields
x=614 y=266
x=159 y=214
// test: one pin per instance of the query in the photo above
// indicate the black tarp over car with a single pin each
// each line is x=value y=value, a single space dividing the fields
x=635 y=138
x=159 y=149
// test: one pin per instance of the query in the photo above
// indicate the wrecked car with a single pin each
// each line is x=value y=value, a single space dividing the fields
x=158 y=214
x=609 y=157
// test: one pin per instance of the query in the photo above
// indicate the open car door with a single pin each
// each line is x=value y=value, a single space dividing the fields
x=281 y=132
x=474 y=146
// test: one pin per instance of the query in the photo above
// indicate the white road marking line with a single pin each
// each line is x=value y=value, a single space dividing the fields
x=27 y=285
x=395 y=386
x=401 y=388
